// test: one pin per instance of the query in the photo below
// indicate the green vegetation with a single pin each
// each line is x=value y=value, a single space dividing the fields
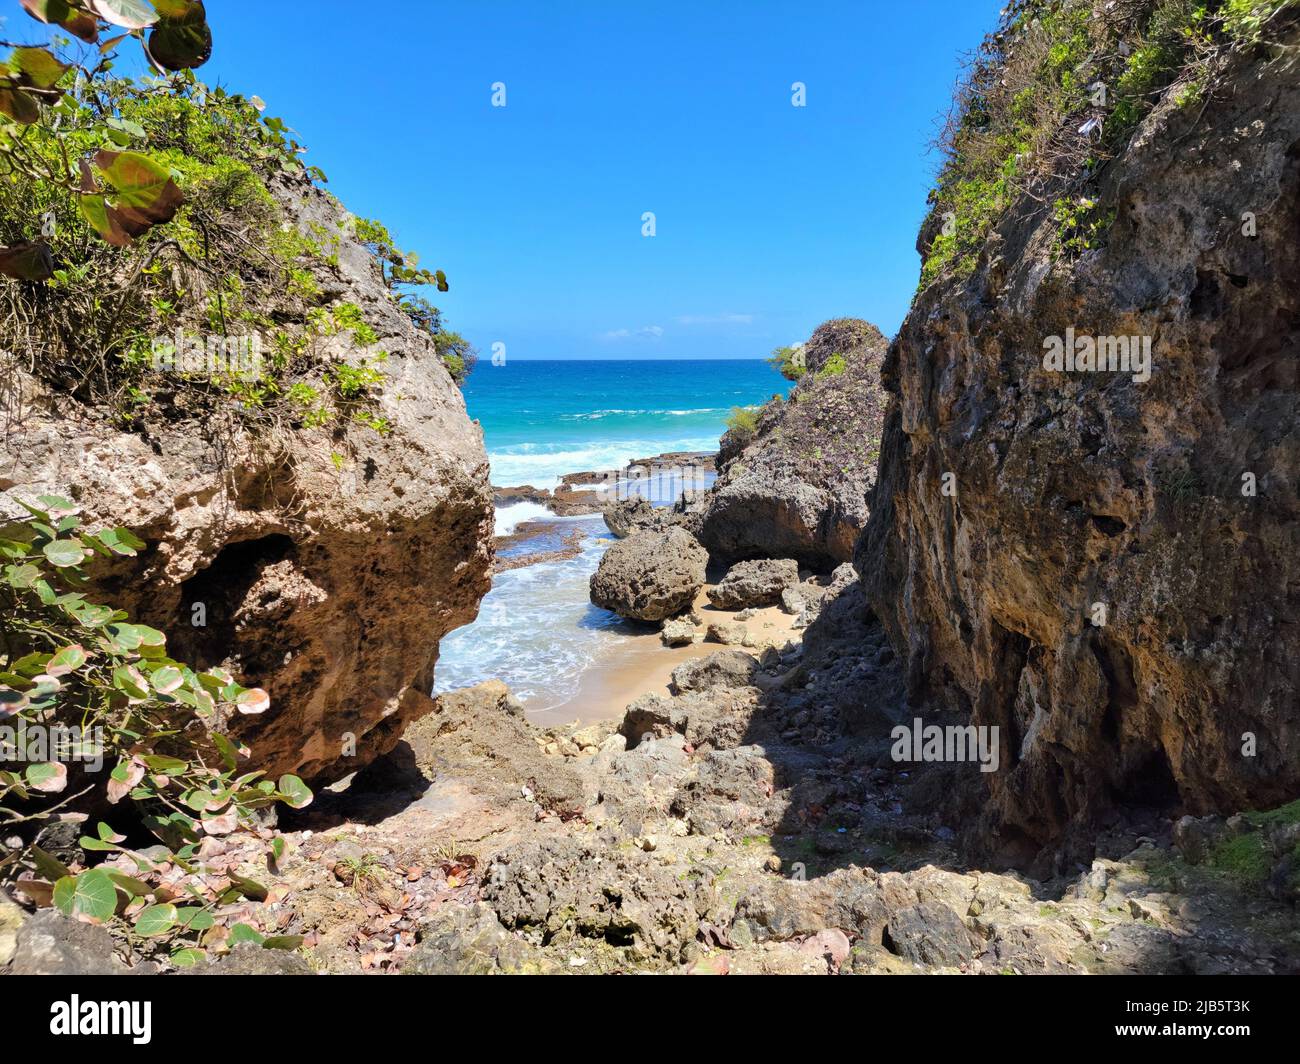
x=138 y=222
x=81 y=685
x=1279 y=817
x=743 y=423
x=835 y=365
x=789 y=362
x=1054 y=95
x=1247 y=859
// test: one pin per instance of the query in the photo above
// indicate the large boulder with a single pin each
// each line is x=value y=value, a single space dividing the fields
x=797 y=488
x=650 y=576
x=726 y=668
x=480 y=734
x=323 y=564
x=754 y=583
x=623 y=517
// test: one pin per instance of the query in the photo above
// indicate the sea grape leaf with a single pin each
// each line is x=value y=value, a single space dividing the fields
x=27 y=260
x=49 y=777
x=61 y=13
x=182 y=39
x=144 y=195
x=64 y=553
x=155 y=920
x=90 y=896
x=129 y=14
x=18 y=105
x=37 y=68
x=296 y=794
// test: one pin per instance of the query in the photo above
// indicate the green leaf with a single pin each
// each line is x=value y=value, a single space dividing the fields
x=121 y=541
x=229 y=755
x=49 y=777
x=67 y=660
x=193 y=918
x=182 y=39
x=150 y=637
x=129 y=885
x=90 y=896
x=155 y=920
x=243 y=933
x=64 y=553
x=22 y=576
x=188 y=957
x=249 y=888
x=37 y=67
x=167 y=679
x=296 y=794
x=131 y=682
x=168 y=766
x=286 y=942
x=145 y=190
x=48 y=865
x=129 y=14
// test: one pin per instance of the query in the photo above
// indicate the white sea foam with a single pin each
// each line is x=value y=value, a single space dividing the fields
x=542 y=467
x=536 y=630
x=508 y=518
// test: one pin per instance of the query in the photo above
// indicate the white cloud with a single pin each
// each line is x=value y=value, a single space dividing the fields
x=646 y=332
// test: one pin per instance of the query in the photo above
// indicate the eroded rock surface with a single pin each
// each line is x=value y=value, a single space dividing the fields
x=1106 y=568
x=650 y=576
x=798 y=488
x=329 y=587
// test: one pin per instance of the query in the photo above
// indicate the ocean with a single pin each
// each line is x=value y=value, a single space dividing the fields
x=544 y=419
x=537 y=631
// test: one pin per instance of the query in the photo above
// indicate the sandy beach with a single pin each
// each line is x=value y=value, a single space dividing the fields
x=643 y=665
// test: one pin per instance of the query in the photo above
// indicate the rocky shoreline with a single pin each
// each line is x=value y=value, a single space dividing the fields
x=750 y=820
x=751 y=817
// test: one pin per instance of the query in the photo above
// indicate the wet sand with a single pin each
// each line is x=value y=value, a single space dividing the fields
x=643 y=665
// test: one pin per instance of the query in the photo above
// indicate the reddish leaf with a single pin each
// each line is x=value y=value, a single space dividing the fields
x=27 y=261
x=61 y=13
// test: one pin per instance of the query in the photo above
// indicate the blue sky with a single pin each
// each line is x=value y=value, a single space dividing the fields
x=770 y=218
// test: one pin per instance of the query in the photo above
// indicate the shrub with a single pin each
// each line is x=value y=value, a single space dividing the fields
x=835 y=365
x=172 y=229
x=80 y=681
x=1030 y=119
x=743 y=423
x=790 y=362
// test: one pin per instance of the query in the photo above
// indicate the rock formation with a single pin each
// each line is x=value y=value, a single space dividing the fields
x=1105 y=567
x=754 y=583
x=328 y=584
x=798 y=488
x=650 y=576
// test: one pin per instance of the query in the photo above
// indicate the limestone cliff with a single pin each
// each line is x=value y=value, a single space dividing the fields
x=1104 y=567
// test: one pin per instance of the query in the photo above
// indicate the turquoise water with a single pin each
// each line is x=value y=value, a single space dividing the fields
x=537 y=629
x=544 y=419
